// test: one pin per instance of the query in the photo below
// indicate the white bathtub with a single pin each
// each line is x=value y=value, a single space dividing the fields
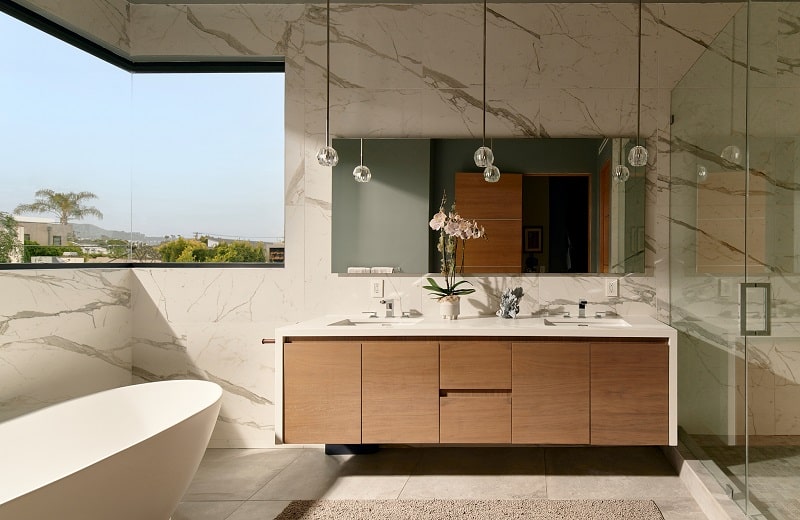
x=122 y=454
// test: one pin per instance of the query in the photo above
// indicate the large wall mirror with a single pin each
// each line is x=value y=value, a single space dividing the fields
x=558 y=207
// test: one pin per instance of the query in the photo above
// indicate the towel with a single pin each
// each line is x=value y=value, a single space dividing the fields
x=383 y=270
x=354 y=270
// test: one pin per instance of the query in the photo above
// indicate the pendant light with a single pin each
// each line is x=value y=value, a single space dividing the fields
x=361 y=173
x=484 y=158
x=621 y=172
x=327 y=156
x=638 y=154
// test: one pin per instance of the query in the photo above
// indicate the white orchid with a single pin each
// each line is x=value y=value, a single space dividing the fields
x=452 y=229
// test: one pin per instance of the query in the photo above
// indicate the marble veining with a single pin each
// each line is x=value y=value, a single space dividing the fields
x=553 y=70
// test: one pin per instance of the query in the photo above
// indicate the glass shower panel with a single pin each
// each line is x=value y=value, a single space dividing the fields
x=773 y=368
x=708 y=246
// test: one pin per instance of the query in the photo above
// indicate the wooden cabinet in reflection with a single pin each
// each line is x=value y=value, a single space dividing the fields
x=557 y=206
x=498 y=208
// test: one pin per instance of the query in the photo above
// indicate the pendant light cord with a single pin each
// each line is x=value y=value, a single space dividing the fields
x=361 y=156
x=328 y=76
x=639 y=81
x=484 y=72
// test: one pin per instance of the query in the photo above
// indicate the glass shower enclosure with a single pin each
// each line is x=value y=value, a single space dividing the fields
x=735 y=256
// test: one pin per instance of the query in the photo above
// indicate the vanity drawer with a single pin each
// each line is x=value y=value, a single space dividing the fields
x=475 y=365
x=475 y=417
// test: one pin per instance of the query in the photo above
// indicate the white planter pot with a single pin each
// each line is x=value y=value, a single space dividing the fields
x=449 y=307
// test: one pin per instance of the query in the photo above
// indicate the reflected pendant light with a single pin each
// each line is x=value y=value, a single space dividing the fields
x=621 y=172
x=361 y=173
x=638 y=154
x=327 y=156
x=484 y=158
x=702 y=174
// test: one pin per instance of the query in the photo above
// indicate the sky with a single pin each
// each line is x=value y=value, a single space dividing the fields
x=166 y=154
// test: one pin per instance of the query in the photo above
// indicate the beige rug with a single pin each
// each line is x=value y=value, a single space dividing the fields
x=471 y=509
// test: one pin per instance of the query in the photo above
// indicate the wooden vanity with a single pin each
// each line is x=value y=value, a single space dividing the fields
x=420 y=384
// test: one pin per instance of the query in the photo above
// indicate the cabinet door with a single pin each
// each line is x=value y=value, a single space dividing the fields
x=322 y=392
x=550 y=393
x=498 y=208
x=630 y=393
x=400 y=392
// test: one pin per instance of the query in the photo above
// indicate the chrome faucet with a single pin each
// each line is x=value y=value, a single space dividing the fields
x=389 y=308
x=581 y=308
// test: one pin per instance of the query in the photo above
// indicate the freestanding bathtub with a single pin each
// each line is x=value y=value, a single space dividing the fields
x=123 y=454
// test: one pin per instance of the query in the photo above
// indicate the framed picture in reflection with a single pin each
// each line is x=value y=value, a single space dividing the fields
x=532 y=239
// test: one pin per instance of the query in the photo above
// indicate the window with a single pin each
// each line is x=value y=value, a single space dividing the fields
x=154 y=167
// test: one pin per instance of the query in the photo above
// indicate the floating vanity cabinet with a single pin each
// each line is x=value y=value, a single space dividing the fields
x=322 y=392
x=475 y=391
x=550 y=382
x=630 y=393
x=400 y=392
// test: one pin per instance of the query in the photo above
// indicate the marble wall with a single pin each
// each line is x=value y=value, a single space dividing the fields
x=554 y=70
x=63 y=334
x=708 y=255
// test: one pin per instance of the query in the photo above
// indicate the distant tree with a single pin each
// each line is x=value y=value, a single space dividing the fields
x=65 y=206
x=145 y=253
x=197 y=250
x=239 y=251
x=8 y=237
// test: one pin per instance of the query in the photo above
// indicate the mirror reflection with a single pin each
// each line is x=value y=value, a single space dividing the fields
x=558 y=207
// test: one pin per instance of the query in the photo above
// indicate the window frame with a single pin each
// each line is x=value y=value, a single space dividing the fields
x=224 y=65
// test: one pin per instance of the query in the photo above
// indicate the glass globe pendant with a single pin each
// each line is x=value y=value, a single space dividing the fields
x=362 y=173
x=702 y=174
x=637 y=156
x=327 y=156
x=732 y=153
x=621 y=173
x=491 y=173
x=484 y=157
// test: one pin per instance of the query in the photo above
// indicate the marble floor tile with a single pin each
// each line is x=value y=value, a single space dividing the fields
x=216 y=510
x=680 y=508
x=235 y=474
x=259 y=510
x=478 y=473
x=308 y=477
x=608 y=473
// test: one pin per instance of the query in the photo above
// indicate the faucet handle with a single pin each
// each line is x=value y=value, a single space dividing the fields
x=406 y=314
x=372 y=314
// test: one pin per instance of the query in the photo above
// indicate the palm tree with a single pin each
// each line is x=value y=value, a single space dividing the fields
x=65 y=205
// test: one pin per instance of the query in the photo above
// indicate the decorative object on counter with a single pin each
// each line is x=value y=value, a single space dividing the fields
x=454 y=231
x=509 y=303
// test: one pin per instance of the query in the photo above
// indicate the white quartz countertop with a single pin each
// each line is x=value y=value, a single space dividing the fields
x=634 y=327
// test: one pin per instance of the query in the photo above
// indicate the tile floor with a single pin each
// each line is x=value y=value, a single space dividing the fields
x=245 y=484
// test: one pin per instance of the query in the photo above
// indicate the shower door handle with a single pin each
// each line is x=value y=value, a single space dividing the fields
x=755 y=314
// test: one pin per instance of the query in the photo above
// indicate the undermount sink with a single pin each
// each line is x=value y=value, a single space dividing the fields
x=375 y=322
x=586 y=322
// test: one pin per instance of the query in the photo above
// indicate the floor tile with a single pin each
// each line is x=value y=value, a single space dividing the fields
x=607 y=473
x=259 y=510
x=478 y=473
x=217 y=510
x=308 y=477
x=235 y=474
x=680 y=508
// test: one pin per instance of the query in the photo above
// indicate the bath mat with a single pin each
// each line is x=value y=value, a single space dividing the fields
x=471 y=510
